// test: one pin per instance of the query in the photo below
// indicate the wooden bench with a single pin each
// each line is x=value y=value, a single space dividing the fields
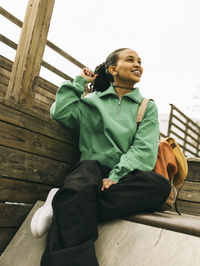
x=146 y=239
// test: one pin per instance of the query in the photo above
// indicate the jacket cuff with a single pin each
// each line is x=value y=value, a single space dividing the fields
x=114 y=177
x=80 y=81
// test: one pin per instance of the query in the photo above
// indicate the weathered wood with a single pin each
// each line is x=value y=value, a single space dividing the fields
x=188 y=207
x=31 y=142
x=46 y=85
x=41 y=107
x=6 y=234
x=55 y=70
x=12 y=215
x=8 y=42
x=190 y=192
x=12 y=190
x=3 y=90
x=30 y=51
x=187 y=224
x=64 y=54
x=16 y=115
x=43 y=99
x=49 y=95
x=6 y=63
x=29 y=167
x=193 y=171
x=9 y=16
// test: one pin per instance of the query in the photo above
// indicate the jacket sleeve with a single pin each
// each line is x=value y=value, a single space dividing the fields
x=65 y=108
x=142 y=153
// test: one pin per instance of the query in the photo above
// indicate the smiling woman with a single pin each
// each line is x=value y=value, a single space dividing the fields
x=114 y=177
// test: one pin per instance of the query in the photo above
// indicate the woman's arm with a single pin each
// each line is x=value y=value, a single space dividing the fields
x=64 y=109
x=142 y=153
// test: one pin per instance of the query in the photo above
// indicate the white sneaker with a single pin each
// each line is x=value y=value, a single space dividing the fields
x=42 y=218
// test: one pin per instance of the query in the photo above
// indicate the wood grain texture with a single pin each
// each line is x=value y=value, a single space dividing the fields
x=16 y=115
x=32 y=168
x=12 y=190
x=31 y=142
x=6 y=234
x=30 y=51
x=12 y=215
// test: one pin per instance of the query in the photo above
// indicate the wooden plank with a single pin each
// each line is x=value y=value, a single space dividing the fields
x=6 y=63
x=187 y=224
x=8 y=42
x=25 y=166
x=43 y=99
x=120 y=243
x=33 y=121
x=56 y=71
x=64 y=54
x=30 y=51
x=31 y=142
x=5 y=73
x=10 y=17
x=12 y=215
x=30 y=250
x=6 y=234
x=3 y=90
x=190 y=192
x=4 y=80
x=46 y=85
x=186 y=117
x=188 y=207
x=13 y=190
x=47 y=94
x=41 y=107
x=193 y=171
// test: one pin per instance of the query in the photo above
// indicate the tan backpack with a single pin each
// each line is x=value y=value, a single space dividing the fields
x=171 y=162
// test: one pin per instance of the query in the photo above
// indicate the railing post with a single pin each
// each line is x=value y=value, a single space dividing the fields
x=185 y=136
x=30 y=51
x=170 y=120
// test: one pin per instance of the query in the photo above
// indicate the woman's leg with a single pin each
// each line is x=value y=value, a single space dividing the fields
x=74 y=228
x=135 y=193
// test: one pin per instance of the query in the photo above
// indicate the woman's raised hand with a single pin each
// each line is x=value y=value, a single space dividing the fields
x=88 y=75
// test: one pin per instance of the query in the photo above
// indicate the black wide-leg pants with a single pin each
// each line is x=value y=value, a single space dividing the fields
x=80 y=205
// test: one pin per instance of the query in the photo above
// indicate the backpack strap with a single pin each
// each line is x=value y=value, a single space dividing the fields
x=141 y=111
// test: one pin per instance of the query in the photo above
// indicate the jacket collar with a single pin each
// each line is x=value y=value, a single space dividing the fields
x=135 y=94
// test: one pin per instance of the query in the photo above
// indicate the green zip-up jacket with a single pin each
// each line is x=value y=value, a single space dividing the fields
x=107 y=127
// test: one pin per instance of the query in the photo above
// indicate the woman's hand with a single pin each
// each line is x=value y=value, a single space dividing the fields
x=88 y=75
x=107 y=183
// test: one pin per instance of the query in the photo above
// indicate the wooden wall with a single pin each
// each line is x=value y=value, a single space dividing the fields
x=35 y=154
x=44 y=91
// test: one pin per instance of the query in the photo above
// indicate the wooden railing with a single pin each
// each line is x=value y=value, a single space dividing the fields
x=51 y=45
x=186 y=131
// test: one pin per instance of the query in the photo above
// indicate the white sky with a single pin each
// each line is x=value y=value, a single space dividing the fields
x=166 y=34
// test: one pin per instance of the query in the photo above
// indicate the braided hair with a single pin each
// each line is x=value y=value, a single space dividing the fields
x=104 y=78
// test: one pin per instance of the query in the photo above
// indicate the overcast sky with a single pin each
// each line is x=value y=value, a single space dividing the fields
x=164 y=33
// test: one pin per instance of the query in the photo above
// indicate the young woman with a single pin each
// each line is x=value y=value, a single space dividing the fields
x=114 y=177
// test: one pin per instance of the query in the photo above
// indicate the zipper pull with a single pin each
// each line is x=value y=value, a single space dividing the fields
x=120 y=101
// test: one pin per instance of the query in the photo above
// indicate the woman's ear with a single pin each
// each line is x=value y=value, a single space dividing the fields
x=112 y=70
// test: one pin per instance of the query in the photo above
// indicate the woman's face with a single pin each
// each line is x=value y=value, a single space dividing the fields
x=128 y=69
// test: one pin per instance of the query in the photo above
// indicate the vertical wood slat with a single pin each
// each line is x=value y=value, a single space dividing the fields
x=30 y=51
x=170 y=121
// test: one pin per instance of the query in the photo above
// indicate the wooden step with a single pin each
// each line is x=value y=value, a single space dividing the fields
x=120 y=243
